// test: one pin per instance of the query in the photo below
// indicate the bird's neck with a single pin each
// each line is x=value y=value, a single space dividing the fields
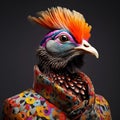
x=49 y=64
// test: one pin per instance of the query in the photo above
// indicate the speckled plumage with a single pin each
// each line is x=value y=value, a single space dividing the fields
x=61 y=91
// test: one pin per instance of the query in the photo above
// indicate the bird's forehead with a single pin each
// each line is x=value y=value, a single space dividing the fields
x=55 y=34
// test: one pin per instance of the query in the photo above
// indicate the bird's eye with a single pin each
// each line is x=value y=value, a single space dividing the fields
x=64 y=38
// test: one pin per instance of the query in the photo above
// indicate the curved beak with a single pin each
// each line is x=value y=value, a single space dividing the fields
x=85 y=47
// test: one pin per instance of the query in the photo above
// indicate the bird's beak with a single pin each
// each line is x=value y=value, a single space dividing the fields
x=85 y=47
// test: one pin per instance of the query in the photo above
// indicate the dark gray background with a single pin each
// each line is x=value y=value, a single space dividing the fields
x=19 y=40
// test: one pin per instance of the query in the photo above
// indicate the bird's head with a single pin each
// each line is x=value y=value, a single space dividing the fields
x=67 y=41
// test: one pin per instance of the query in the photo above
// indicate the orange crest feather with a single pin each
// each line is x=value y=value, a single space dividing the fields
x=63 y=18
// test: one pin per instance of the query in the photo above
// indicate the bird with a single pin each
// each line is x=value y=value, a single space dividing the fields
x=62 y=50
x=67 y=42
x=58 y=78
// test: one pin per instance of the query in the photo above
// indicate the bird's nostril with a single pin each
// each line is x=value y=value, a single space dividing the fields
x=85 y=45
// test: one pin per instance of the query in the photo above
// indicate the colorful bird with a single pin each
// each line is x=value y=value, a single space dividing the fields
x=58 y=76
x=64 y=46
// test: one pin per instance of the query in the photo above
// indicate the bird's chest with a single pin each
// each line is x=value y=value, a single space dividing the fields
x=73 y=83
x=69 y=92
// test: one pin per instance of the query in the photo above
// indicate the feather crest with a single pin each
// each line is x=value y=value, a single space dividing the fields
x=63 y=18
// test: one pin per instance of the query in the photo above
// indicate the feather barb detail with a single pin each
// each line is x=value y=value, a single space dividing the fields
x=63 y=18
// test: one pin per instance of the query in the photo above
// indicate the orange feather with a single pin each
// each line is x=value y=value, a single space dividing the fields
x=63 y=18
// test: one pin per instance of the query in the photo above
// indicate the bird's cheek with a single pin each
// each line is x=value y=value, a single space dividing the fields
x=52 y=47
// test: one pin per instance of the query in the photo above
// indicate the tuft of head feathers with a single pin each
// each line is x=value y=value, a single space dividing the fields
x=63 y=18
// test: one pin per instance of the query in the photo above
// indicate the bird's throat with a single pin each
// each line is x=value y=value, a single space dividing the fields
x=48 y=63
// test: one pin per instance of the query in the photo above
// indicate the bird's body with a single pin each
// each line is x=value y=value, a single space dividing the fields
x=58 y=76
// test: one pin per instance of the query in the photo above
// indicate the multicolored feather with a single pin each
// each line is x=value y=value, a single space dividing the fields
x=63 y=18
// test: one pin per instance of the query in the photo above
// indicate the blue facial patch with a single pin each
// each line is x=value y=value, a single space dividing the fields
x=52 y=35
